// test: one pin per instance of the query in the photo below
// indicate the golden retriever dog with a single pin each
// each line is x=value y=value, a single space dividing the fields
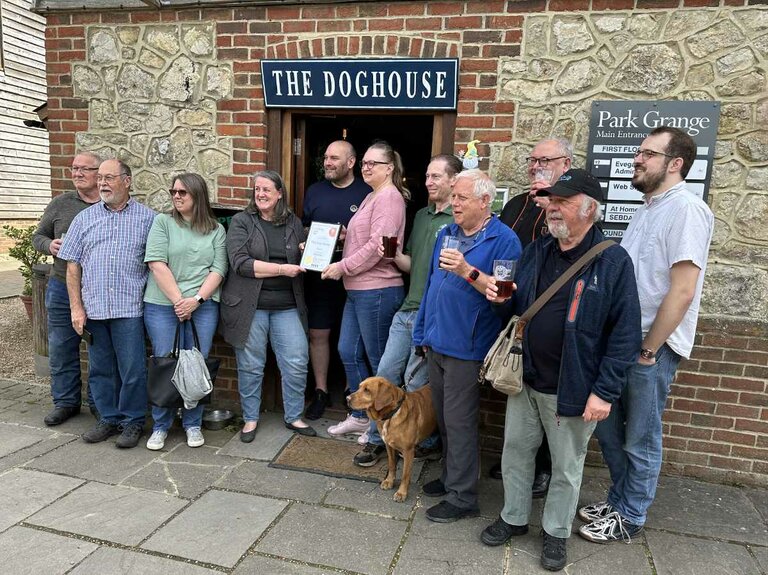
x=404 y=418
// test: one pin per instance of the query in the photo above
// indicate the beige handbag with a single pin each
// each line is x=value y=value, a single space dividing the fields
x=503 y=364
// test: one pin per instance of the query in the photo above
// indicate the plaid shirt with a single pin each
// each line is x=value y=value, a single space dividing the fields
x=109 y=246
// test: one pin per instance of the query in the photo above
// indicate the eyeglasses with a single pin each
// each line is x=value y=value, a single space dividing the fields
x=181 y=193
x=82 y=170
x=543 y=162
x=369 y=164
x=110 y=178
x=648 y=154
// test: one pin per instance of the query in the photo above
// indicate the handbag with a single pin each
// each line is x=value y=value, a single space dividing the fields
x=161 y=391
x=503 y=364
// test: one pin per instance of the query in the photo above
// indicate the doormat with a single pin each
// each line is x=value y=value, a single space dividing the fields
x=325 y=456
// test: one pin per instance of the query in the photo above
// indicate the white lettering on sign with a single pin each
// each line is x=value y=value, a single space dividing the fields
x=295 y=84
x=622 y=167
x=606 y=149
x=620 y=213
x=613 y=234
x=651 y=119
x=623 y=191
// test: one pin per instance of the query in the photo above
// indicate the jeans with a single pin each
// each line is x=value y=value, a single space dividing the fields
x=364 y=331
x=630 y=437
x=63 y=349
x=161 y=322
x=118 y=369
x=529 y=415
x=285 y=333
x=400 y=358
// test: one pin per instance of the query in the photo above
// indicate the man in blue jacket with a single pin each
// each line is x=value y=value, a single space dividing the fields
x=576 y=353
x=456 y=326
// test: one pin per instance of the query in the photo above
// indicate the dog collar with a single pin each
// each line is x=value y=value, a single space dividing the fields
x=394 y=411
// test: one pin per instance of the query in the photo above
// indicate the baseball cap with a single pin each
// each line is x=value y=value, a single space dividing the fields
x=575 y=181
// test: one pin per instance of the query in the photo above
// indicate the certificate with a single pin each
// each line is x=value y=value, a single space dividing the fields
x=319 y=247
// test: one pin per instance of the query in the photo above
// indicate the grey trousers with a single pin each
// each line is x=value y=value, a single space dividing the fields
x=456 y=398
x=529 y=415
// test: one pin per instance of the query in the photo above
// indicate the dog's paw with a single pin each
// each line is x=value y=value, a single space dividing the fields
x=400 y=497
x=387 y=484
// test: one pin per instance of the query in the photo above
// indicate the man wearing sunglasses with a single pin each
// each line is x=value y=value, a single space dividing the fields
x=106 y=275
x=63 y=341
x=668 y=240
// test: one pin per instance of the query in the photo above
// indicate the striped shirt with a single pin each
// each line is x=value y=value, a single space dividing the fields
x=109 y=246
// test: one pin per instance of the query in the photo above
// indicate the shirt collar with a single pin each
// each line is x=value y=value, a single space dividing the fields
x=125 y=207
x=432 y=209
x=660 y=197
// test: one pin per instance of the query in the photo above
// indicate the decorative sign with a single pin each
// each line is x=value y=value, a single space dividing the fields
x=402 y=83
x=616 y=130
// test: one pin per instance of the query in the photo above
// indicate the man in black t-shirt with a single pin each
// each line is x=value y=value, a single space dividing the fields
x=524 y=213
x=332 y=201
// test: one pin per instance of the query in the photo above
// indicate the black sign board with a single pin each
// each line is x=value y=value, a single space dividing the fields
x=616 y=130
x=394 y=83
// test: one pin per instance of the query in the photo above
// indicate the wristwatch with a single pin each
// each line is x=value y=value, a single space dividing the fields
x=473 y=275
x=647 y=353
x=200 y=299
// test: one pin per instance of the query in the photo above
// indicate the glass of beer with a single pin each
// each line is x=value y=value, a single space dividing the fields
x=450 y=243
x=504 y=274
x=390 y=246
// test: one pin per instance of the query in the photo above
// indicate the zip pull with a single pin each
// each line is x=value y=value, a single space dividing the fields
x=557 y=418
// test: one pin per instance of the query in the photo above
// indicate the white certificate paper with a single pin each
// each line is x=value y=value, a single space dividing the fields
x=319 y=247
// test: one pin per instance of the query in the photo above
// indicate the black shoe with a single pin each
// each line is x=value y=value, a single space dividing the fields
x=60 y=414
x=94 y=412
x=553 y=556
x=434 y=488
x=101 y=432
x=445 y=512
x=499 y=532
x=430 y=454
x=540 y=485
x=308 y=431
x=130 y=436
x=318 y=405
x=495 y=471
x=370 y=454
x=247 y=436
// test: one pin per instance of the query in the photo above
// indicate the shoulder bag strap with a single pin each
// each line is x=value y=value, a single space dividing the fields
x=560 y=282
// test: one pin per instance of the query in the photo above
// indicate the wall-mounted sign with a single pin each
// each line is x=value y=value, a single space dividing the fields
x=395 y=83
x=616 y=130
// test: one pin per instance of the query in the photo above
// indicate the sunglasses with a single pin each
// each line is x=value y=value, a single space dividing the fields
x=181 y=193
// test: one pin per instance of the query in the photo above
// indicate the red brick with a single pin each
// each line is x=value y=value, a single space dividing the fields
x=568 y=5
x=477 y=66
x=513 y=36
x=481 y=36
x=239 y=27
x=730 y=463
x=497 y=50
x=683 y=391
x=529 y=6
x=672 y=416
x=734 y=437
x=283 y=12
x=677 y=443
x=392 y=24
x=444 y=8
x=464 y=22
x=57 y=19
x=717 y=395
x=86 y=18
x=682 y=404
x=139 y=17
x=707 y=447
x=248 y=40
x=692 y=432
x=750 y=452
x=752 y=425
x=318 y=12
x=722 y=368
x=710 y=353
x=504 y=22
x=346 y=12
x=334 y=26
x=759 y=344
x=754 y=399
x=488 y=94
x=687 y=457
x=504 y=122
x=299 y=26
x=688 y=378
x=726 y=409
x=231 y=130
x=756 y=371
x=423 y=24
x=474 y=122
x=731 y=342
x=489 y=136
x=484 y=6
x=265 y=27
x=416 y=9
x=740 y=383
x=700 y=3
x=701 y=420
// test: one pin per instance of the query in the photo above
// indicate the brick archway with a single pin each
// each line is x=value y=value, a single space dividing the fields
x=376 y=45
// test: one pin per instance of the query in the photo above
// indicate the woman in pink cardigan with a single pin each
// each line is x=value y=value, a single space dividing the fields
x=374 y=285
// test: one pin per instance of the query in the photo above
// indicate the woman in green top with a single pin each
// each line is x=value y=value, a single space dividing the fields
x=186 y=253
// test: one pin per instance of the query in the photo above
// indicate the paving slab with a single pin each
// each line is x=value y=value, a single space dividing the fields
x=706 y=509
x=111 y=561
x=271 y=436
x=205 y=455
x=448 y=548
x=178 y=479
x=102 y=462
x=331 y=537
x=218 y=528
x=16 y=437
x=31 y=552
x=110 y=513
x=370 y=498
x=759 y=498
x=257 y=478
x=22 y=456
x=24 y=492
x=761 y=553
x=257 y=564
x=680 y=555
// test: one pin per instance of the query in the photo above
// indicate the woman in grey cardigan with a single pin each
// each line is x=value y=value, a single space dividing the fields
x=263 y=301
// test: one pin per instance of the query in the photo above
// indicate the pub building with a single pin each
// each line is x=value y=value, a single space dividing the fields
x=225 y=88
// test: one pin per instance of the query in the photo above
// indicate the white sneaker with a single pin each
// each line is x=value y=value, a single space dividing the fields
x=363 y=439
x=354 y=425
x=595 y=512
x=195 y=437
x=156 y=441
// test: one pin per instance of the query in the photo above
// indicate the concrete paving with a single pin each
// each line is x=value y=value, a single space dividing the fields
x=67 y=507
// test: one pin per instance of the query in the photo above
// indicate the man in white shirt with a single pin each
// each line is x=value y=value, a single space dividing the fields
x=668 y=241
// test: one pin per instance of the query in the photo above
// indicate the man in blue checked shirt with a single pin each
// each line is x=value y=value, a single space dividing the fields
x=106 y=275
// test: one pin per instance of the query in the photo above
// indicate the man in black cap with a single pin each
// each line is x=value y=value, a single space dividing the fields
x=576 y=352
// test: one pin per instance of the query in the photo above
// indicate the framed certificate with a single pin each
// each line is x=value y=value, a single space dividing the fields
x=318 y=249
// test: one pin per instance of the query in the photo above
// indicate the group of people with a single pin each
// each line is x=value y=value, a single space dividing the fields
x=598 y=357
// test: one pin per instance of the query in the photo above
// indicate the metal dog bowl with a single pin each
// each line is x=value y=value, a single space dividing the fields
x=217 y=418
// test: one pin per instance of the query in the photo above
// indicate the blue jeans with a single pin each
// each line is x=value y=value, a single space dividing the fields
x=161 y=322
x=364 y=331
x=630 y=437
x=118 y=369
x=63 y=349
x=398 y=359
x=284 y=332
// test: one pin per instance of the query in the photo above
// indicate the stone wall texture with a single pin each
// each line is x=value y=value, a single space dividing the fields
x=170 y=90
